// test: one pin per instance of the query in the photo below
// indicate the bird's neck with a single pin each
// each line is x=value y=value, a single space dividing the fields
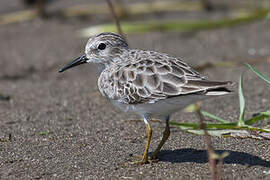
x=114 y=61
x=101 y=67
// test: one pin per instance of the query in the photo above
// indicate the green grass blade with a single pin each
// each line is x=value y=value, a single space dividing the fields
x=185 y=125
x=214 y=126
x=265 y=78
x=208 y=126
x=253 y=133
x=251 y=128
x=207 y=114
x=176 y=25
x=241 y=102
x=218 y=133
x=267 y=16
x=260 y=116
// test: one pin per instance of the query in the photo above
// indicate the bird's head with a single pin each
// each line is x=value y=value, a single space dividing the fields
x=104 y=48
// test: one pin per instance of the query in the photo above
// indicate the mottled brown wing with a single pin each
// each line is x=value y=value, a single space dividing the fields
x=154 y=77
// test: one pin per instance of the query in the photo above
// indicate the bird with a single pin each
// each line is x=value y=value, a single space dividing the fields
x=147 y=83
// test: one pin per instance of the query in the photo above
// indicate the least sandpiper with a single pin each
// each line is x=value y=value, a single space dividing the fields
x=148 y=83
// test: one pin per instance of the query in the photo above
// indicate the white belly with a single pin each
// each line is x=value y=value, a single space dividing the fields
x=164 y=107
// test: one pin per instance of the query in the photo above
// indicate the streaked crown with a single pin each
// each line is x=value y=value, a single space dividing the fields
x=105 y=48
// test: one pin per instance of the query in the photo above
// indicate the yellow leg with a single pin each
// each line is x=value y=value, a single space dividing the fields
x=166 y=135
x=144 y=159
x=149 y=135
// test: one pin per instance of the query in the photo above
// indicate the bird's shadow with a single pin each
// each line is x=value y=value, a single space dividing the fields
x=200 y=156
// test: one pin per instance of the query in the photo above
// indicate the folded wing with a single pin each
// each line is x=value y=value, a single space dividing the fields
x=158 y=77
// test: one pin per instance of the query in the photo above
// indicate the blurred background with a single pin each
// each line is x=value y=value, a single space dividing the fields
x=40 y=106
x=38 y=35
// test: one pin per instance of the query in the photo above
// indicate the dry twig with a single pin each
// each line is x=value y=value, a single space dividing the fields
x=215 y=169
x=116 y=19
x=208 y=5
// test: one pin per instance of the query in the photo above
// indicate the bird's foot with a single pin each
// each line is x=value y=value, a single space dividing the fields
x=138 y=159
x=154 y=158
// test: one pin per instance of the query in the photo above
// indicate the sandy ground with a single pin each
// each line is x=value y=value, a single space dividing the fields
x=58 y=126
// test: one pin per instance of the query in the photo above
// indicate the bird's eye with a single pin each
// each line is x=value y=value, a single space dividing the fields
x=101 y=46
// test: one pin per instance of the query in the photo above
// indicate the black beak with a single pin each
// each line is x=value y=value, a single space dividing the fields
x=78 y=61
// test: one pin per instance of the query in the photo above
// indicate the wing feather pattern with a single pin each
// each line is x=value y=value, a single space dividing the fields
x=152 y=76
